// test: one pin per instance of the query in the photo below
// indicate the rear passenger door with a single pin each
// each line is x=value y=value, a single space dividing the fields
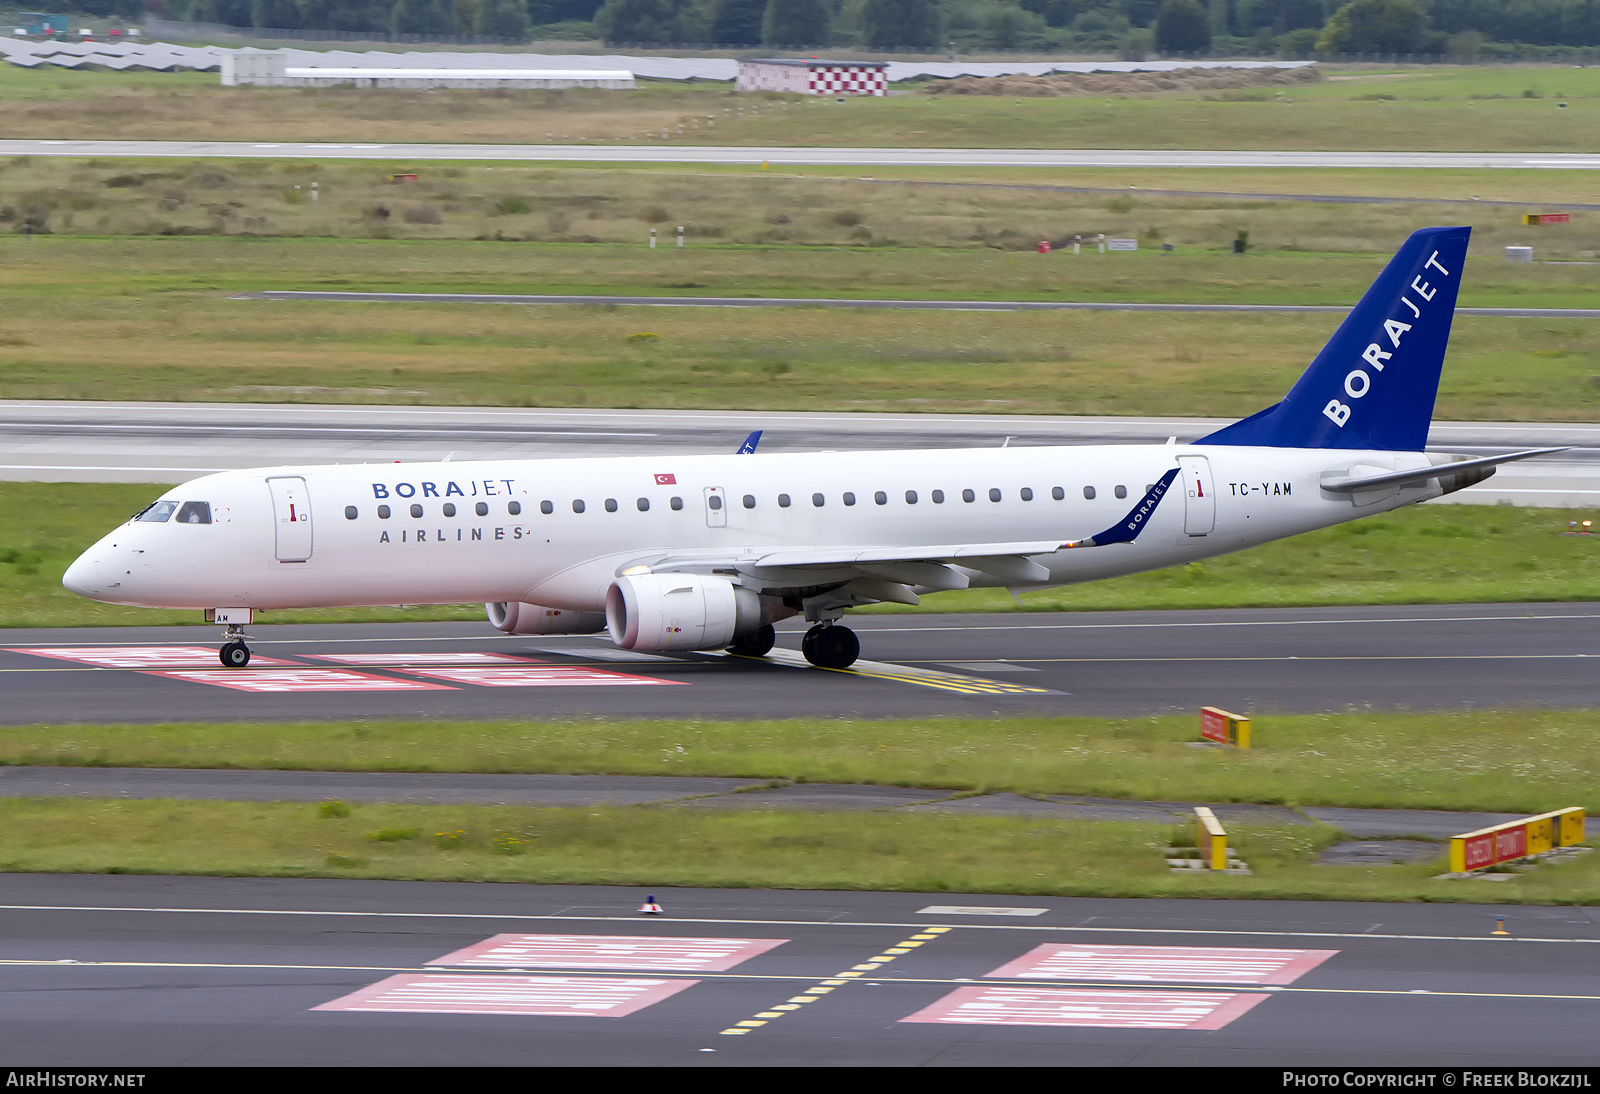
x=1199 y=501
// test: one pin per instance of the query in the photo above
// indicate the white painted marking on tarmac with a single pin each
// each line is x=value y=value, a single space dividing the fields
x=1162 y=964
x=135 y=657
x=1527 y=618
x=607 y=654
x=1015 y=1006
x=563 y=996
x=131 y=427
x=1037 y=927
x=442 y=657
x=281 y=681
x=542 y=676
x=580 y=951
x=950 y=909
x=119 y=467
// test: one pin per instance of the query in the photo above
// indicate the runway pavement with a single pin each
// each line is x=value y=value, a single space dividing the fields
x=1102 y=663
x=135 y=972
x=877 y=305
x=67 y=441
x=755 y=155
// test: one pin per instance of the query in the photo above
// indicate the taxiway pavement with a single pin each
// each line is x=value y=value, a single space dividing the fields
x=125 y=971
x=69 y=441
x=547 y=300
x=1441 y=657
x=752 y=155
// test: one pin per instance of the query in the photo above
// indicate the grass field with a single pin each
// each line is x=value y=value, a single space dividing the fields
x=1431 y=108
x=1480 y=760
x=1495 y=761
x=161 y=303
x=966 y=209
x=1424 y=555
x=657 y=848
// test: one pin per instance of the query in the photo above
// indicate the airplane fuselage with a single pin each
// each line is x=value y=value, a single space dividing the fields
x=559 y=532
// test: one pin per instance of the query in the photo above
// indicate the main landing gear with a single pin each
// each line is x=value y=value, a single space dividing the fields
x=830 y=646
x=234 y=653
x=757 y=643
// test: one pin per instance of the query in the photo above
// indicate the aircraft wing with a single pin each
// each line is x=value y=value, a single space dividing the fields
x=889 y=572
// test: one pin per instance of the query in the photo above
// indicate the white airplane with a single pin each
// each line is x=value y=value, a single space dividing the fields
x=676 y=552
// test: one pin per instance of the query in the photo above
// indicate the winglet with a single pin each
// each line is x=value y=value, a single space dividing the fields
x=1128 y=528
x=750 y=443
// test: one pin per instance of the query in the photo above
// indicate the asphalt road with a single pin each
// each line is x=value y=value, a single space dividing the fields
x=1100 y=663
x=752 y=155
x=67 y=441
x=131 y=972
x=878 y=305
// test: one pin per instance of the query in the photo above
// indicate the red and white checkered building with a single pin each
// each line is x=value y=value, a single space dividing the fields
x=814 y=77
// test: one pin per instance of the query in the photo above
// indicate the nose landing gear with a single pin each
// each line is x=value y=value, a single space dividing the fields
x=234 y=653
x=830 y=646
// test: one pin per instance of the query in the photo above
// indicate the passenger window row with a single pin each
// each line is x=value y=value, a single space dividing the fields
x=202 y=515
x=449 y=510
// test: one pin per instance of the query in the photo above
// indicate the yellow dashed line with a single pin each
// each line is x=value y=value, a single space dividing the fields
x=822 y=988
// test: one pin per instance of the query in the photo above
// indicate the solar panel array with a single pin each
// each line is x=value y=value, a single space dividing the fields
x=163 y=56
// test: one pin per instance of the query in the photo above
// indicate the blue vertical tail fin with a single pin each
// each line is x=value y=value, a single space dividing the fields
x=1373 y=385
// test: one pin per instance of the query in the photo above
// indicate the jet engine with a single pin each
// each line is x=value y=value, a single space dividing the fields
x=683 y=612
x=516 y=618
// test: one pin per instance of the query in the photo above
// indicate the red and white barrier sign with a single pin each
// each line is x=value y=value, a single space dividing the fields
x=1516 y=839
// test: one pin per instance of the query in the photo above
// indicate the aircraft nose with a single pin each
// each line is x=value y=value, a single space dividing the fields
x=85 y=576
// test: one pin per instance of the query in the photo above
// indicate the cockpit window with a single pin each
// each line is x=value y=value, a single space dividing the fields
x=158 y=512
x=195 y=512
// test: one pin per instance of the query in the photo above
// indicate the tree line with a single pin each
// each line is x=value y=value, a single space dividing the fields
x=1265 y=27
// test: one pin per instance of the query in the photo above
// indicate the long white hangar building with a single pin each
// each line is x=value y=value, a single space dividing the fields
x=270 y=69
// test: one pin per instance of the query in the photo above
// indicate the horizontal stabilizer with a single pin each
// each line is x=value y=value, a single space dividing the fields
x=1423 y=474
x=1128 y=528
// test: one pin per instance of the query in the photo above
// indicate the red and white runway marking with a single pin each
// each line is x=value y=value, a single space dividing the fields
x=458 y=657
x=590 y=951
x=564 y=996
x=1148 y=964
x=1008 y=1006
x=138 y=657
x=306 y=679
x=539 y=676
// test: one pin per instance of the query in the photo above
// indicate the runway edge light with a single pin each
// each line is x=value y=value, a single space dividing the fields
x=650 y=907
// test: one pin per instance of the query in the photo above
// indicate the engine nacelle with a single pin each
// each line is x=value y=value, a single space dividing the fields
x=517 y=618
x=680 y=612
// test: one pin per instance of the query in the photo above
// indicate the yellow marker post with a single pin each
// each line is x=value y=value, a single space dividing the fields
x=1211 y=837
